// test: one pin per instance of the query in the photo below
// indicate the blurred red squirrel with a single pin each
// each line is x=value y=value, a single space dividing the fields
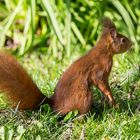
x=72 y=91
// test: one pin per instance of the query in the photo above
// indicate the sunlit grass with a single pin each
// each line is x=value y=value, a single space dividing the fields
x=55 y=33
x=101 y=123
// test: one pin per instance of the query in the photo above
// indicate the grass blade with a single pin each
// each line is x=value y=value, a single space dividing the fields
x=3 y=11
x=68 y=29
x=47 y=6
x=125 y=16
x=25 y=33
x=32 y=26
x=29 y=29
x=130 y=11
x=9 y=23
x=78 y=33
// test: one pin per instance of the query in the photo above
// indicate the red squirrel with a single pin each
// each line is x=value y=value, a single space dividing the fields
x=72 y=91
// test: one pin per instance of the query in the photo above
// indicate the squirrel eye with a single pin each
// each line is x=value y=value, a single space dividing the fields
x=123 y=40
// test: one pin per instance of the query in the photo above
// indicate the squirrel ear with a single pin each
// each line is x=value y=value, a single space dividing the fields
x=107 y=23
x=113 y=33
x=109 y=27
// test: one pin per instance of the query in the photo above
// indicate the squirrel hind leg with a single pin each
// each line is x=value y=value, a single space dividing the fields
x=86 y=103
x=80 y=101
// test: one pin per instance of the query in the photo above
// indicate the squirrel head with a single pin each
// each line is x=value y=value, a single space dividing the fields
x=116 y=42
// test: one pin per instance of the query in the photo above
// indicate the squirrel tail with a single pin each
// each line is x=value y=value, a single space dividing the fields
x=17 y=85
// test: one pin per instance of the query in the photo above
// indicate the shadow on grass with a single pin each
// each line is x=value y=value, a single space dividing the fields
x=129 y=107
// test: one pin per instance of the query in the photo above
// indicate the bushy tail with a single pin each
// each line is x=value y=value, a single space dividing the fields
x=17 y=85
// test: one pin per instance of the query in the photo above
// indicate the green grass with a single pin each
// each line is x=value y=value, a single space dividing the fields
x=101 y=123
x=63 y=24
x=56 y=33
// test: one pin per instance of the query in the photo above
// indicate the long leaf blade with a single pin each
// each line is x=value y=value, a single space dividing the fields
x=9 y=23
x=46 y=4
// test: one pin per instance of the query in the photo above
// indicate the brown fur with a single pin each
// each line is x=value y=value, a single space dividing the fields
x=73 y=89
x=17 y=84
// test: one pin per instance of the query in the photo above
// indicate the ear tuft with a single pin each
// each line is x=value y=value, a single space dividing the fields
x=108 y=27
x=107 y=23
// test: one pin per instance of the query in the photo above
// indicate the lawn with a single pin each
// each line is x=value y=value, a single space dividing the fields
x=47 y=36
x=103 y=122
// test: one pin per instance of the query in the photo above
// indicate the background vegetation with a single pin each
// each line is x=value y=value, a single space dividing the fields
x=48 y=35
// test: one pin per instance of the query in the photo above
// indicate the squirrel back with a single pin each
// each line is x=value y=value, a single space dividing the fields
x=17 y=85
x=73 y=90
x=92 y=69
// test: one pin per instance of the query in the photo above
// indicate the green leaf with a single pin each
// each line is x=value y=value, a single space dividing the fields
x=129 y=8
x=125 y=16
x=46 y=107
x=3 y=11
x=20 y=131
x=70 y=115
x=32 y=25
x=26 y=30
x=47 y=6
x=38 y=137
x=78 y=33
x=68 y=29
x=53 y=120
x=9 y=23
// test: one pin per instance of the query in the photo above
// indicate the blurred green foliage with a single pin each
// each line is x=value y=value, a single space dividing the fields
x=61 y=24
x=63 y=28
